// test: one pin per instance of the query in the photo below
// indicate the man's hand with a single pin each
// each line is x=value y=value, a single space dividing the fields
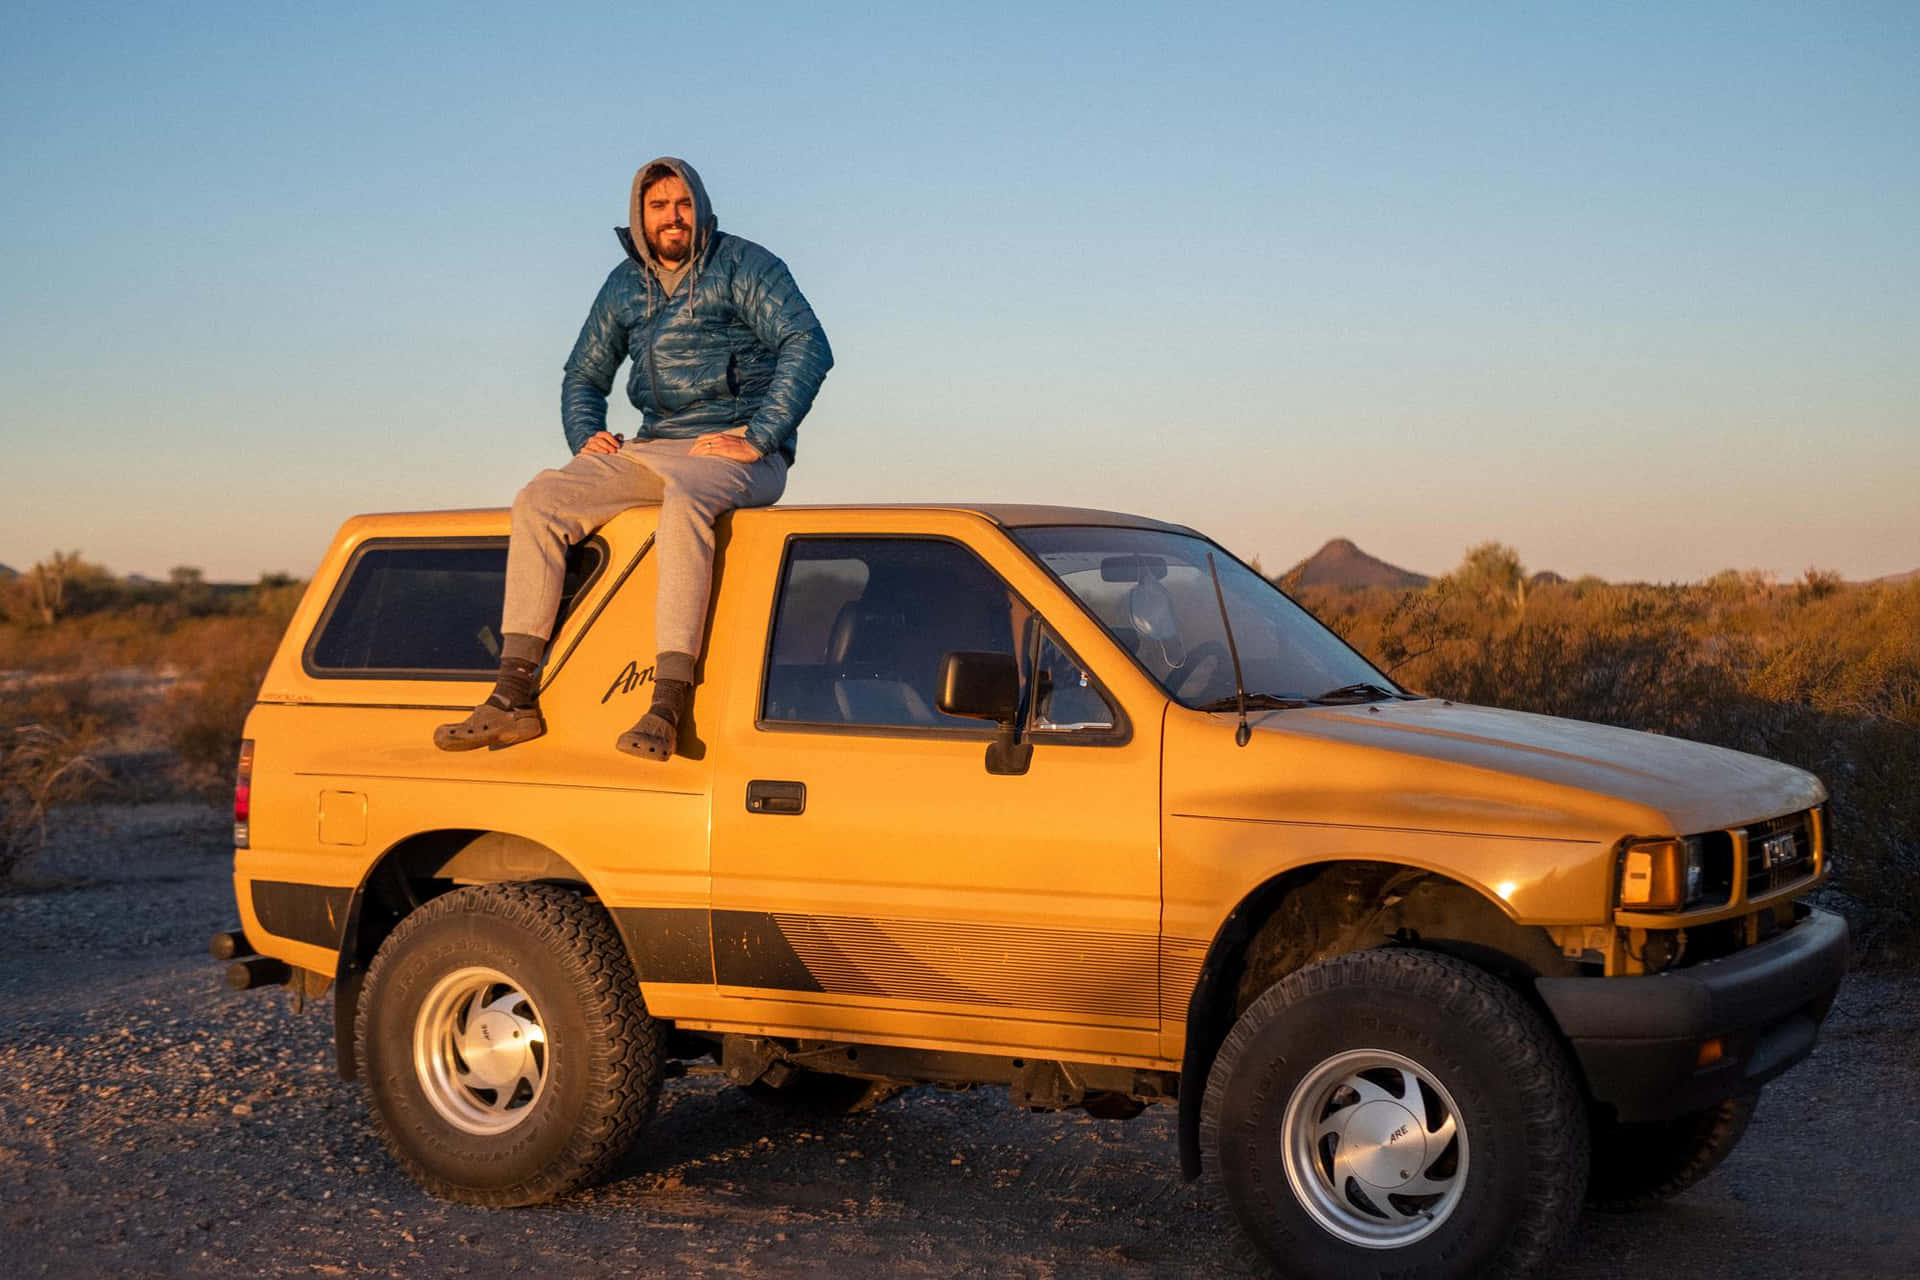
x=725 y=445
x=601 y=442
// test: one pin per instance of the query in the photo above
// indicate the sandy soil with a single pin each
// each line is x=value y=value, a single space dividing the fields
x=154 y=1123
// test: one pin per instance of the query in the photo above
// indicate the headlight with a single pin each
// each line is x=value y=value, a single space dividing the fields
x=1663 y=875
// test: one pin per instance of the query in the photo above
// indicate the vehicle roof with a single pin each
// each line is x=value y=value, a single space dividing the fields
x=1009 y=515
x=1018 y=515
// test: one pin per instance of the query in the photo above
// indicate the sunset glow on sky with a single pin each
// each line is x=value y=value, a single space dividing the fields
x=1632 y=288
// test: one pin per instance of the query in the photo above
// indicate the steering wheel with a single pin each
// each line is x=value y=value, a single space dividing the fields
x=1205 y=665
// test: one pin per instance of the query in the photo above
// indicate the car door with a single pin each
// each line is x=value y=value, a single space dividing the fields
x=872 y=878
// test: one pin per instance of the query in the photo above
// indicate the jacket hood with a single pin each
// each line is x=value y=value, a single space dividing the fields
x=705 y=224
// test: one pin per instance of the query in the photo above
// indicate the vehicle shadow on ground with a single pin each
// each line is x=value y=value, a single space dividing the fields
x=958 y=1180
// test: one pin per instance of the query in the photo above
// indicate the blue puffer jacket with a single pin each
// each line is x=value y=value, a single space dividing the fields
x=736 y=345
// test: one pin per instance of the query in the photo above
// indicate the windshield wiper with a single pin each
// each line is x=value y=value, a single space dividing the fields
x=1255 y=702
x=1364 y=691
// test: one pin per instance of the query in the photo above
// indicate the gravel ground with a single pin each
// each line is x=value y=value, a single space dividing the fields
x=152 y=1123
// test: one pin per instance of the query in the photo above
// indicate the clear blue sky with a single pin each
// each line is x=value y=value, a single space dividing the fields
x=1633 y=288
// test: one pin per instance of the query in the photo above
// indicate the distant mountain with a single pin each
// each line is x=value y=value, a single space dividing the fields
x=7 y=572
x=1908 y=576
x=1341 y=564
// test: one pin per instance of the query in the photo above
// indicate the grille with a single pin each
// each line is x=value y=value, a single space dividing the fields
x=1779 y=853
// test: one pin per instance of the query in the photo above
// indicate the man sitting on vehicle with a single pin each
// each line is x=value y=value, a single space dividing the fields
x=726 y=360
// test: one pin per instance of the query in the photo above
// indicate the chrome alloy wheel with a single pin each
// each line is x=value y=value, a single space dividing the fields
x=480 y=1049
x=1375 y=1149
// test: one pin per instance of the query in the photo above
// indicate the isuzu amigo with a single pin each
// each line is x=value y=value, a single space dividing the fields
x=1064 y=801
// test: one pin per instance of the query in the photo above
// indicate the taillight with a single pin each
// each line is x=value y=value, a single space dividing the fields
x=242 y=793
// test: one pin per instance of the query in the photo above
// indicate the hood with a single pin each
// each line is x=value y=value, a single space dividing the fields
x=1443 y=765
x=704 y=223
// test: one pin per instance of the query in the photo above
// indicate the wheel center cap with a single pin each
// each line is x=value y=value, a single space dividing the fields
x=1384 y=1144
x=495 y=1047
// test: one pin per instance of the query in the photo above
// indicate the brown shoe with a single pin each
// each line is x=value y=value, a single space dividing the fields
x=652 y=739
x=490 y=726
x=658 y=732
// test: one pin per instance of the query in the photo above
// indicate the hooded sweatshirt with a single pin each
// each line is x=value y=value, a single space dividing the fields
x=732 y=343
x=704 y=223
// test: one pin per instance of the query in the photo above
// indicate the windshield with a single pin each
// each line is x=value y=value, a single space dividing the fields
x=1154 y=594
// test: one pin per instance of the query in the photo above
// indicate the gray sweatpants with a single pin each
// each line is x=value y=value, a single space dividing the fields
x=559 y=508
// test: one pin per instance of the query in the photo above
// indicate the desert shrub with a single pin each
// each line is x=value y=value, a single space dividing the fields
x=206 y=717
x=62 y=584
x=133 y=637
x=1817 y=584
x=222 y=661
x=73 y=706
x=39 y=768
x=1635 y=676
x=173 y=665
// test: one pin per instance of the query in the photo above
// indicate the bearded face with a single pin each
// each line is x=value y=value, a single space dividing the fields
x=666 y=220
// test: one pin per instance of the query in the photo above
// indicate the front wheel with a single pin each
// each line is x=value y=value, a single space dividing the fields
x=1395 y=1111
x=507 y=1055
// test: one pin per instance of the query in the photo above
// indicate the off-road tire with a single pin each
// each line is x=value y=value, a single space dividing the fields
x=1638 y=1166
x=602 y=1059
x=1518 y=1182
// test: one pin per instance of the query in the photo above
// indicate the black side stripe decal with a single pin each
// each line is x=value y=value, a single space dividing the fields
x=749 y=950
x=1093 y=975
x=310 y=913
x=669 y=944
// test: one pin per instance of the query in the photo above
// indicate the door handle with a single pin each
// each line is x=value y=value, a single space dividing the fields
x=768 y=796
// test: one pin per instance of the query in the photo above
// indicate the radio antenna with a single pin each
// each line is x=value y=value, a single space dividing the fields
x=1244 y=732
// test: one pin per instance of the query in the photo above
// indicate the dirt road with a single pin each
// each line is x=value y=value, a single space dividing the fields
x=151 y=1122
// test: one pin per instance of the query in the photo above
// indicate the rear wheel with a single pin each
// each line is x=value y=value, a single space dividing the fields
x=1637 y=1166
x=1395 y=1110
x=507 y=1055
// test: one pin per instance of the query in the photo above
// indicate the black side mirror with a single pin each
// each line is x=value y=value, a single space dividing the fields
x=980 y=686
x=986 y=686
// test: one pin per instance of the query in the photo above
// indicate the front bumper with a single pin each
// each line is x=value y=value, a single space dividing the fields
x=1638 y=1039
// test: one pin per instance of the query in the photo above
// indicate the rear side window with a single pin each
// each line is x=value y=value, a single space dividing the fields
x=409 y=609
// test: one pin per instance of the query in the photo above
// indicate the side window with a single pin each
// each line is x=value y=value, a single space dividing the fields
x=863 y=624
x=410 y=609
x=1065 y=695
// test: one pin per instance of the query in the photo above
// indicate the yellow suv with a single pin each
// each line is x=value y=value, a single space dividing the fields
x=1060 y=800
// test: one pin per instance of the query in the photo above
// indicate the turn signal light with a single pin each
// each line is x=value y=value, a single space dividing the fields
x=1661 y=875
x=1651 y=877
